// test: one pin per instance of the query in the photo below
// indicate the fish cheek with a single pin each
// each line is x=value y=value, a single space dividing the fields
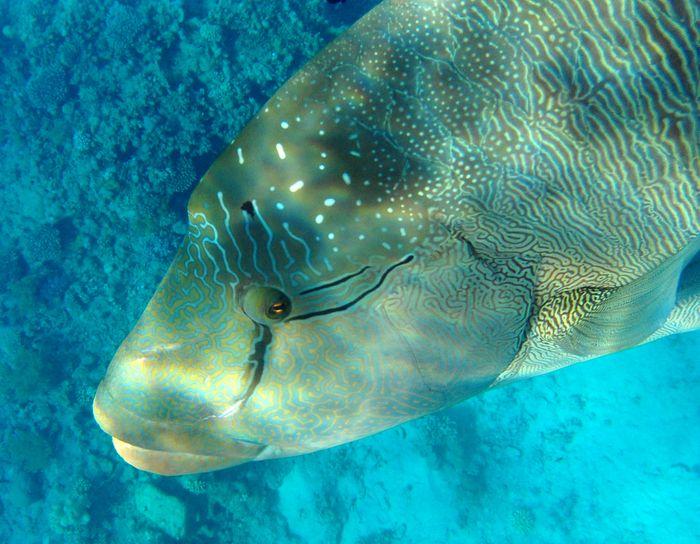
x=462 y=320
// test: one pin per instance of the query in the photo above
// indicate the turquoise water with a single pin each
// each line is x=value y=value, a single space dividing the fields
x=111 y=111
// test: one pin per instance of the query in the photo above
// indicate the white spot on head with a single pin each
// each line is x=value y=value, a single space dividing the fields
x=284 y=125
x=331 y=235
x=279 y=206
x=346 y=178
x=272 y=188
x=319 y=219
x=280 y=151
x=321 y=166
x=385 y=245
x=329 y=202
x=240 y=155
x=294 y=187
x=361 y=237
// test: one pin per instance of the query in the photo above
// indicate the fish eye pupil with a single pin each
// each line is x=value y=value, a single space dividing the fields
x=279 y=308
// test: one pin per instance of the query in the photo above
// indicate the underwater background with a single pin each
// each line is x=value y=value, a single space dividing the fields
x=110 y=113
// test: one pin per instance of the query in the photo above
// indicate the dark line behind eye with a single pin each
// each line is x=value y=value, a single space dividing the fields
x=358 y=298
x=334 y=283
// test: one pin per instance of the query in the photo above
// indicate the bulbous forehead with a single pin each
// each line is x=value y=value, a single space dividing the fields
x=323 y=193
x=339 y=168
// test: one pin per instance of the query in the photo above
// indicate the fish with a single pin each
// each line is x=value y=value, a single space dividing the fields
x=451 y=196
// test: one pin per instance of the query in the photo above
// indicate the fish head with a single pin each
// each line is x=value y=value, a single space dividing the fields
x=293 y=317
x=268 y=336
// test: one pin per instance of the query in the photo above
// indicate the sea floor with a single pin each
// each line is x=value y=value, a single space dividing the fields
x=110 y=112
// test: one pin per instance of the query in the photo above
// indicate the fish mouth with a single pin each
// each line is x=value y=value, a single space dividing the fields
x=165 y=448
x=167 y=463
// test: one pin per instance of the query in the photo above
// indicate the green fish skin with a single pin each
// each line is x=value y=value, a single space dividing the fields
x=451 y=196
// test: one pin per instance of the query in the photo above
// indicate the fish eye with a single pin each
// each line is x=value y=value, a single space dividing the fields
x=266 y=304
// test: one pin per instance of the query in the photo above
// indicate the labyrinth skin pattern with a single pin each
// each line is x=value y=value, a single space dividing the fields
x=451 y=196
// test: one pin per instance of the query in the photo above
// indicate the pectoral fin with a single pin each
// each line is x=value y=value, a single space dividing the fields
x=594 y=321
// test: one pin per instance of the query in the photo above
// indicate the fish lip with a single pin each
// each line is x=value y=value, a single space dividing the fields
x=167 y=463
x=107 y=425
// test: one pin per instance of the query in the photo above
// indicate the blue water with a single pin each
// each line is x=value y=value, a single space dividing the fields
x=109 y=113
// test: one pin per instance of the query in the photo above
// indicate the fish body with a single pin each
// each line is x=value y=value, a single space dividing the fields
x=451 y=196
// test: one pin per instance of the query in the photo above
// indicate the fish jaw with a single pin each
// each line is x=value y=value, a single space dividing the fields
x=172 y=463
x=173 y=450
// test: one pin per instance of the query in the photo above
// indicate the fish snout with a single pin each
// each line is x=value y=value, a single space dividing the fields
x=164 y=416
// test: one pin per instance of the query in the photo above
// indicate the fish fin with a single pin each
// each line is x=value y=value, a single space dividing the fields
x=685 y=316
x=689 y=284
x=595 y=321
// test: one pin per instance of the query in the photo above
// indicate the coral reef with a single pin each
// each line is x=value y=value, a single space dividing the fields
x=47 y=87
x=27 y=450
x=163 y=511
